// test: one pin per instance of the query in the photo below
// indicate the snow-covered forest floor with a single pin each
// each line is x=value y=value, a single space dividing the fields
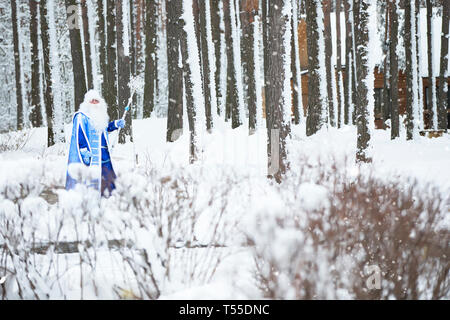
x=219 y=229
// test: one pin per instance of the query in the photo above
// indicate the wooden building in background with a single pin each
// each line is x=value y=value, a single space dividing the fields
x=380 y=114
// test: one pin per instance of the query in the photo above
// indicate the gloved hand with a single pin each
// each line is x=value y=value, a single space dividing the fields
x=120 y=123
x=86 y=155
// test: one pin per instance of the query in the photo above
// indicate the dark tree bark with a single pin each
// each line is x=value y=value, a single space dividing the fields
x=338 y=62
x=249 y=8
x=232 y=98
x=151 y=72
x=361 y=15
x=175 y=72
x=79 y=77
x=87 y=45
x=328 y=54
x=409 y=71
x=296 y=85
x=48 y=93
x=133 y=33
x=443 y=74
x=216 y=34
x=419 y=67
x=431 y=78
x=314 y=118
x=36 y=107
x=123 y=62
x=111 y=66
x=196 y=13
x=139 y=21
x=205 y=63
x=278 y=131
x=412 y=102
x=386 y=114
x=189 y=94
x=348 y=64
x=102 y=48
x=17 y=65
x=393 y=21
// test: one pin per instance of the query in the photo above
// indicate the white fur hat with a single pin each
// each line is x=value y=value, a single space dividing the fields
x=91 y=95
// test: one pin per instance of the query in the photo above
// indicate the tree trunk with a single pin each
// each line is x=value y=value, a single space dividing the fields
x=205 y=63
x=151 y=72
x=191 y=68
x=17 y=64
x=111 y=66
x=48 y=94
x=443 y=74
x=364 y=74
x=278 y=93
x=295 y=66
x=232 y=98
x=316 y=96
x=419 y=68
x=386 y=72
x=123 y=63
x=175 y=71
x=102 y=47
x=348 y=65
x=87 y=45
x=393 y=21
x=79 y=79
x=36 y=107
x=432 y=105
x=411 y=70
x=339 y=65
x=328 y=62
x=249 y=8
x=216 y=36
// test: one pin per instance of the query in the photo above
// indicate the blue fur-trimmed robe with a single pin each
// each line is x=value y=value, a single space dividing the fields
x=84 y=135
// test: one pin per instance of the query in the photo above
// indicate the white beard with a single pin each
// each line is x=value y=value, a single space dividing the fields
x=97 y=113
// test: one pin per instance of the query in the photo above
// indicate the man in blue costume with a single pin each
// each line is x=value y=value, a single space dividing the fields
x=89 y=145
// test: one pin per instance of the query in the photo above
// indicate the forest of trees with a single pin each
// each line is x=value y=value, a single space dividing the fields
x=236 y=61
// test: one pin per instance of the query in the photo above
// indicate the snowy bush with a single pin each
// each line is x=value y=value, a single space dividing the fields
x=176 y=223
x=159 y=232
x=15 y=140
x=337 y=232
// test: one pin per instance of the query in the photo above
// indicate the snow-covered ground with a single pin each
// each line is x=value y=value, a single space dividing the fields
x=224 y=150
